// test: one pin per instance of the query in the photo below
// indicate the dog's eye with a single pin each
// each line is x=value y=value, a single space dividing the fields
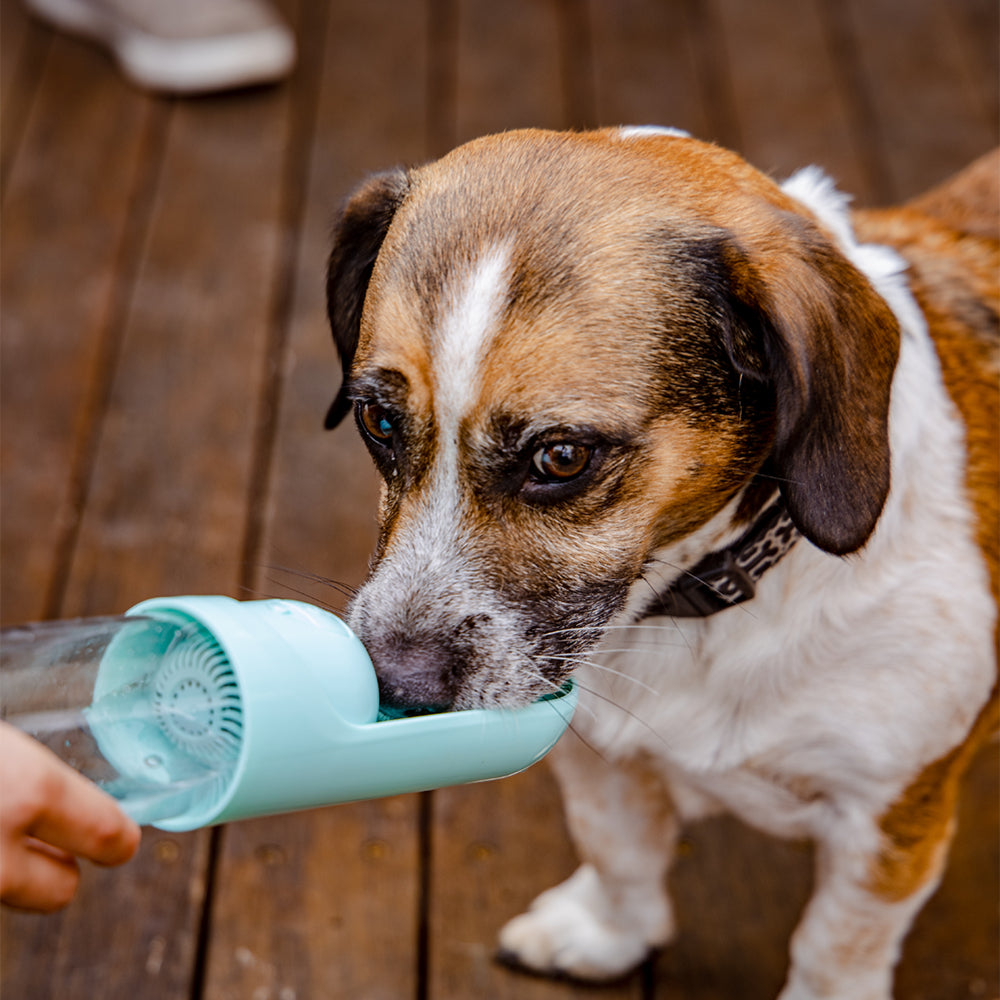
x=557 y=463
x=376 y=423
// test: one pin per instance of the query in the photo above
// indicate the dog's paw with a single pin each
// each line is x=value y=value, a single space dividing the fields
x=577 y=930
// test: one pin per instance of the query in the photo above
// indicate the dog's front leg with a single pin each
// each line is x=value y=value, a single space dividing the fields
x=604 y=919
x=868 y=890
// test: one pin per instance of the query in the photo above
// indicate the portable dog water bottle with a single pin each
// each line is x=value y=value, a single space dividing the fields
x=200 y=710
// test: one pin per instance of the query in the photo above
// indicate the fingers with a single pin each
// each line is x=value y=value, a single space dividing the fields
x=38 y=877
x=82 y=820
x=49 y=816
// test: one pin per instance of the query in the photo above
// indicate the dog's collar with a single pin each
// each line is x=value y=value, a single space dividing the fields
x=728 y=576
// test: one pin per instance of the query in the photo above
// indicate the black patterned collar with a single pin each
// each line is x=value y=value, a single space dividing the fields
x=728 y=576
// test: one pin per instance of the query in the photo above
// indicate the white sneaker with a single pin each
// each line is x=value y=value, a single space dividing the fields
x=182 y=46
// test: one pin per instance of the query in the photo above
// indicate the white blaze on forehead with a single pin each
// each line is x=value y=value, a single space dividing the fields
x=461 y=339
x=464 y=334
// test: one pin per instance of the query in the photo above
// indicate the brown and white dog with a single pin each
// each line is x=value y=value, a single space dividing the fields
x=727 y=452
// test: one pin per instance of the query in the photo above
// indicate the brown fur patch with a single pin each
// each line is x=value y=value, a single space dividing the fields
x=696 y=473
x=949 y=238
x=918 y=826
x=917 y=829
x=954 y=280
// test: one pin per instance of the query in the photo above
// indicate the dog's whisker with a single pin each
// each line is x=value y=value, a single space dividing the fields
x=583 y=662
x=325 y=581
x=615 y=650
x=705 y=583
x=777 y=479
x=556 y=706
x=652 y=589
x=531 y=668
x=343 y=588
x=602 y=697
x=581 y=707
x=583 y=739
x=339 y=612
x=588 y=657
x=680 y=631
x=635 y=626
x=632 y=715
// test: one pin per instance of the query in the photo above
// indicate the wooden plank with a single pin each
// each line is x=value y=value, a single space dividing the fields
x=930 y=121
x=790 y=108
x=645 y=67
x=67 y=212
x=23 y=47
x=442 y=68
x=73 y=211
x=711 y=72
x=508 y=72
x=866 y=132
x=977 y=27
x=171 y=472
x=166 y=512
x=576 y=62
x=319 y=904
x=496 y=846
x=326 y=904
x=738 y=895
x=952 y=949
x=323 y=491
x=131 y=932
x=15 y=28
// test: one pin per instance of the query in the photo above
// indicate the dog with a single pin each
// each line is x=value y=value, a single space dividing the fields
x=727 y=452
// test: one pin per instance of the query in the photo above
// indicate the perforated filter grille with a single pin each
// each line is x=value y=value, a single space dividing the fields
x=197 y=699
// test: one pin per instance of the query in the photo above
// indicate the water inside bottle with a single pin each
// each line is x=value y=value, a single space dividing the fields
x=127 y=702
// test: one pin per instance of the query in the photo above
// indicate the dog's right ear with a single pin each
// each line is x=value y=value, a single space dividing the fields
x=357 y=239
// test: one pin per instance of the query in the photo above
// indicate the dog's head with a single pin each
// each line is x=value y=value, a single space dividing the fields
x=569 y=352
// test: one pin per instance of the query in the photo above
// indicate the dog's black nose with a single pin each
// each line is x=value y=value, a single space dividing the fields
x=414 y=676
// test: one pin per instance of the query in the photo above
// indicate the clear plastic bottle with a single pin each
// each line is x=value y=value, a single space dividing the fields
x=160 y=741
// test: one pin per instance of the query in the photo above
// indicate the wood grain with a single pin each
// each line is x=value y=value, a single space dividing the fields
x=644 y=67
x=494 y=848
x=335 y=893
x=165 y=369
x=923 y=97
x=508 y=73
x=786 y=126
x=66 y=209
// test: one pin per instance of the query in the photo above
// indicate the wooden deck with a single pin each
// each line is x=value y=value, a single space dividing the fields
x=165 y=371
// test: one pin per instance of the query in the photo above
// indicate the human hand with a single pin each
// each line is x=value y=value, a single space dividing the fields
x=50 y=816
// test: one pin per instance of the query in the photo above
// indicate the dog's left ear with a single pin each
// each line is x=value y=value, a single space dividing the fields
x=811 y=325
x=358 y=235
